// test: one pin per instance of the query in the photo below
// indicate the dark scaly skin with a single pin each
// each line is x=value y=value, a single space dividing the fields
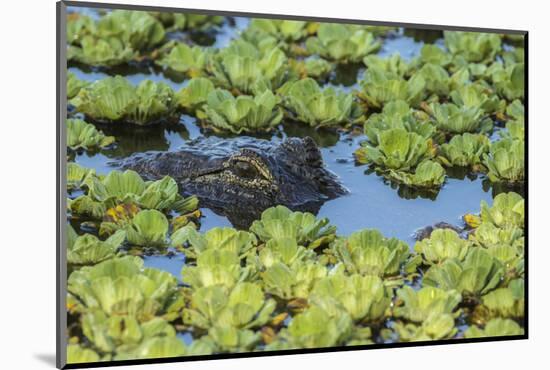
x=241 y=177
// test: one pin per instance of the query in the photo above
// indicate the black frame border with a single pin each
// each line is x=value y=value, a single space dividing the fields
x=61 y=162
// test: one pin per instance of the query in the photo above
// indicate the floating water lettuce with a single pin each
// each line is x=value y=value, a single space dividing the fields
x=342 y=43
x=397 y=149
x=368 y=252
x=434 y=327
x=194 y=95
x=280 y=222
x=365 y=298
x=286 y=251
x=74 y=85
x=191 y=60
x=116 y=38
x=307 y=102
x=148 y=228
x=478 y=274
x=196 y=22
x=224 y=112
x=316 y=68
x=495 y=328
x=315 y=328
x=379 y=87
x=475 y=96
x=129 y=188
x=398 y=114
x=77 y=175
x=115 y=99
x=466 y=150
x=428 y=174
x=77 y=354
x=215 y=267
x=442 y=245
x=285 y=30
x=121 y=286
x=506 y=161
x=473 y=46
x=507 y=210
x=504 y=302
x=244 y=306
x=433 y=54
x=509 y=81
x=393 y=64
x=419 y=305
x=83 y=135
x=292 y=282
x=244 y=68
x=87 y=249
x=436 y=78
x=240 y=242
x=454 y=119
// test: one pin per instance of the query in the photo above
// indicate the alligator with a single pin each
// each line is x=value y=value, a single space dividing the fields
x=239 y=178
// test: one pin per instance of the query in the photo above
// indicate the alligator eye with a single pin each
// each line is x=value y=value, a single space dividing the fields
x=245 y=170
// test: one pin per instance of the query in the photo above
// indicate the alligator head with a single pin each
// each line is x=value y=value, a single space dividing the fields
x=239 y=178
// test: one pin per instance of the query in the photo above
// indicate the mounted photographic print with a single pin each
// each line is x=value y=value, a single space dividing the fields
x=236 y=185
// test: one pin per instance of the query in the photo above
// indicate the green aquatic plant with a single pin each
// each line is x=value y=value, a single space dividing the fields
x=466 y=150
x=434 y=327
x=495 y=328
x=224 y=112
x=244 y=306
x=488 y=235
x=380 y=87
x=428 y=174
x=442 y=244
x=78 y=26
x=121 y=286
x=191 y=60
x=306 y=102
x=148 y=228
x=87 y=249
x=433 y=54
x=284 y=250
x=365 y=298
x=396 y=149
x=292 y=282
x=116 y=38
x=284 y=30
x=506 y=161
x=313 y=67
x=368 y=252
x=508 y=81
x=78 y=175
x=246 y=69
x=115 y=99
x=315 y=328
x=128 y=187
x=195 y=94
x=342 y=43
x=436 y=78
x=78 y=354
x=229 y=339
x=74 y=85
x=240 y=242
x=196 y=22
x=505 y=302
x=507 y=210
x=478 y=274
x=215 y=267
x=393 y=64
x=454 y=119
x=427 y=302
x=104 y=52
x=280 y=222
x=473 y=46
x=397 y=114
x=83 y=135
x=156 y=347
x=476 y=96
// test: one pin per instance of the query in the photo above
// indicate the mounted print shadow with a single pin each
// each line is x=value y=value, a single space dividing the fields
x=238 y=185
